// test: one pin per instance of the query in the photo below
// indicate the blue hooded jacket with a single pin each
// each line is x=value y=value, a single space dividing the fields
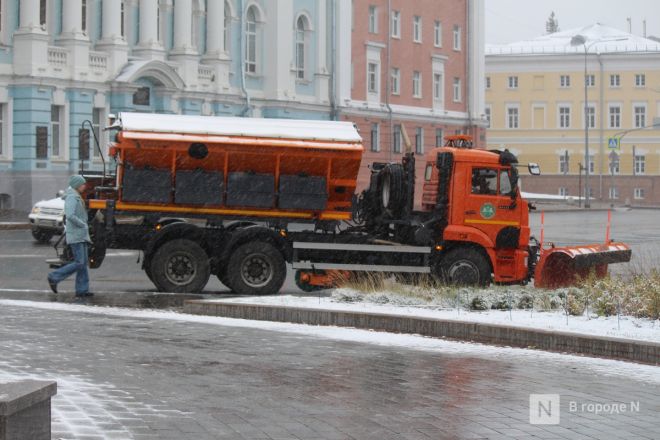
x=77 y=230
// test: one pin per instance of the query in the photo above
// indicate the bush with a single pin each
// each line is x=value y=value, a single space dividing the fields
x=526 y=301
x=478 y=303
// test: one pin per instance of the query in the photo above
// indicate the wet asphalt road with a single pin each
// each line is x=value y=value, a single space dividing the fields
x=22 y=261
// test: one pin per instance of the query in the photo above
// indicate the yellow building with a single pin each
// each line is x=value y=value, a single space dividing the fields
x=535 y=102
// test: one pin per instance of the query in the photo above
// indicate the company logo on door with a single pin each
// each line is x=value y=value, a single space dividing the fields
x=487 y=210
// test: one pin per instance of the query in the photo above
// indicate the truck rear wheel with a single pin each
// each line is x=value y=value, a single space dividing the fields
x=180 y=266
x=256 y=268
x=465 y=267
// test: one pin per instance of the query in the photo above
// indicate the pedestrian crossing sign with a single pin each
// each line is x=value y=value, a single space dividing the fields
x=613 y=143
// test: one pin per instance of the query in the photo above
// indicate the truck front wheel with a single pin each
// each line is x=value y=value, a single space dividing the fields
x=180 y=266
x=42 y=236
x=256 y=268
x=465 y=267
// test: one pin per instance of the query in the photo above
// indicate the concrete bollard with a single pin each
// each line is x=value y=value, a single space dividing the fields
x=25 y=409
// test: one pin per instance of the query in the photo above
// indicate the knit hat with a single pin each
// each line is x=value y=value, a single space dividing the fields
x=76 y=182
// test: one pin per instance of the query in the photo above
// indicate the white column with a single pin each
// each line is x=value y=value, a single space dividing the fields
x=71 y=19
x=215 y=28
x=183 y=26
x=148 y=23
x=343 y=52
x=29 y=19
x=277 y=50
x=111 y=22
x=322 y=33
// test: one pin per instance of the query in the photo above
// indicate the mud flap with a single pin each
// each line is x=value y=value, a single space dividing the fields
x=566 y=266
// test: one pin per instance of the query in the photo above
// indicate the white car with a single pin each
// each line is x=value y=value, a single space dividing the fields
x=47 y=218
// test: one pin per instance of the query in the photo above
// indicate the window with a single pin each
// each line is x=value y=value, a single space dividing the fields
x=301 y=47
x=564 y=117
x=639 y=116
x=375 y=137
x=457 y=37
x=564 y=163
x=615 y=80
x=396 y=139
x=439 y=137
x=417 y=29
x=640 y=80
x=396 y=24
x=142 y=96
x=42 y=13
x=639 y=193
x=227 y=30
x=592 y=165
x=513 y=82
x=55 y=130
x=2 y=130
x=428 y=172
x=83 y=24
x=484 y=181
x=591 y=116
x=487 y=113
x=505 y=184
x=488 y=82
x=96 y=127
x=437 y=87
x=591 y=80
x=565 y=81
x=122 y=19
x=251 y=41
x=563 y=192
x=372 y=78
x=512 y=115
x=419 y=140
x=614 y=193
x=640 y=164
x=615 y=116
x=373 y=20
x=457 y=90
x=417 y=84
x=437 y=34
x=396 y=81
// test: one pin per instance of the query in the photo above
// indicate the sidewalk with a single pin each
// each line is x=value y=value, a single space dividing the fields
x=13 y=220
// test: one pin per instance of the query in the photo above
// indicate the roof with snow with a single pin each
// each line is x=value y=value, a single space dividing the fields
x=333 y=131
x=599 y=39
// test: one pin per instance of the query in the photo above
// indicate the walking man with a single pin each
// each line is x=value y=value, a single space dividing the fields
x=77 y=237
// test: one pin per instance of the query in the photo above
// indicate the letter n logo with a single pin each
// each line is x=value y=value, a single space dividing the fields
x=544 y=409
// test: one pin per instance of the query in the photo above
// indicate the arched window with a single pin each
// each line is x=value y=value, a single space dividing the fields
x=251 y=40
x=227 y=42
x=301 y=46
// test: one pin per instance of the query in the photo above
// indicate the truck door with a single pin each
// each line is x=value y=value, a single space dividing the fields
x=489 y=206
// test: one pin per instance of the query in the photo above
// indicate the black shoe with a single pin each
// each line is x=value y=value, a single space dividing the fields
x=88 y=294
x=84 y=295
x=53 y=285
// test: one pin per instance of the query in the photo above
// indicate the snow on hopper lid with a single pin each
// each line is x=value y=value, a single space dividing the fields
x=334 y=131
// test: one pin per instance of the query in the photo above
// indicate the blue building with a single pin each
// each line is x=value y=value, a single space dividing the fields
x=63 y=62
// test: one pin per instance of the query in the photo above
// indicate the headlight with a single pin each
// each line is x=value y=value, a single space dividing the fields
x=36 y=210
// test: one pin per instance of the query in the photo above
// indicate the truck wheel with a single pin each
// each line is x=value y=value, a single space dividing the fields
x=42 y=236
x=180 y=266
x=256 y=268
x=392 y=189
x=465 y=267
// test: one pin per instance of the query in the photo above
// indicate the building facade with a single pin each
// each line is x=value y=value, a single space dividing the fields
x=535 y=102
x=419 y=67
x=63 y=62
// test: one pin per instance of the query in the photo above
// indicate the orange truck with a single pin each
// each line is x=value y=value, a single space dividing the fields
x=240 y=199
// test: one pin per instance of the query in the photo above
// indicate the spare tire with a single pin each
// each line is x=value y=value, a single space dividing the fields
x=392 y=189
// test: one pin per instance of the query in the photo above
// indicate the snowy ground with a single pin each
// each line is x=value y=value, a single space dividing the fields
x=602 y=367
x=625 y=327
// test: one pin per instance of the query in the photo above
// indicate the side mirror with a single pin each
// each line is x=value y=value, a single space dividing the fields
x=534 y=169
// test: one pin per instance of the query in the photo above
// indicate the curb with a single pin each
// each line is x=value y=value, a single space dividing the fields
x=9 y=226
x=595 y=346
x=147 y=300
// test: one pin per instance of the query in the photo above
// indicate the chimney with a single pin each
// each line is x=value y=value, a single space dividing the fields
x=629 y=25
x=644 y=28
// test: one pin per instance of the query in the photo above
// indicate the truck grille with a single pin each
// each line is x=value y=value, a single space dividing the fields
x=51 y=211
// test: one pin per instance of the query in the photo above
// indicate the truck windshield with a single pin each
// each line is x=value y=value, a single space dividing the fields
x=505 y=183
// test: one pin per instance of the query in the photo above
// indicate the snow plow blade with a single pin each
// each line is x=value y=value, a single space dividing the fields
x=566 y=266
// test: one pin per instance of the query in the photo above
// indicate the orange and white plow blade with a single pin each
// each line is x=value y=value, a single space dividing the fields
x=564 y=266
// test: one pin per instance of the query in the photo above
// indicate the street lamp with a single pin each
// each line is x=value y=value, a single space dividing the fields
x=581 y=40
